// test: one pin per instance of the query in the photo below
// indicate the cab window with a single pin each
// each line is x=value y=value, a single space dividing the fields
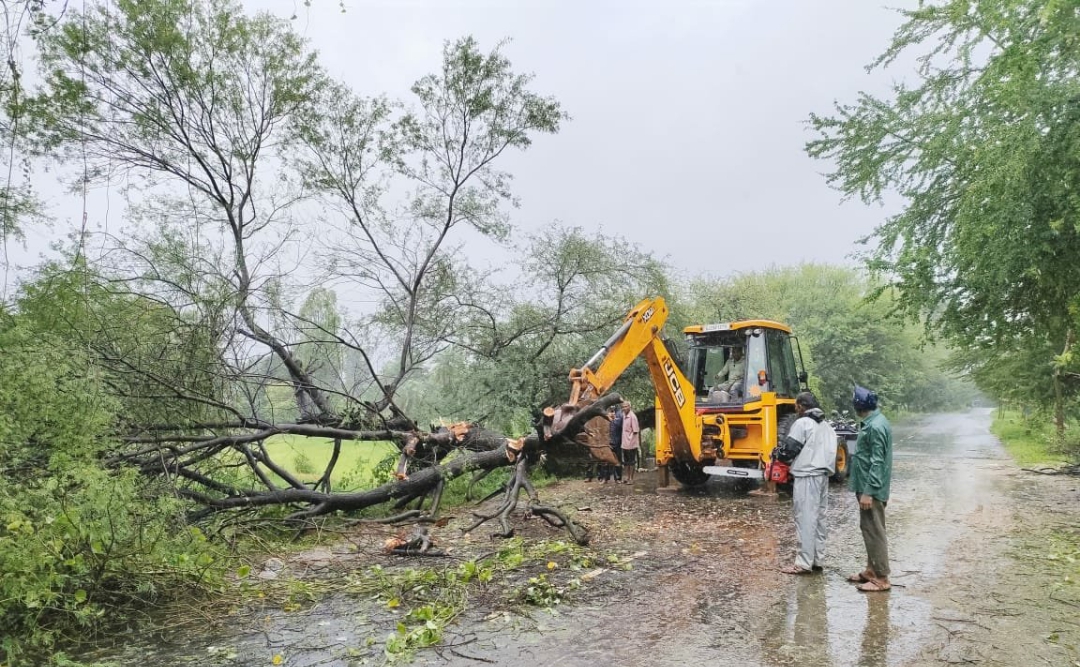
x=755 y=363
x=782 y=374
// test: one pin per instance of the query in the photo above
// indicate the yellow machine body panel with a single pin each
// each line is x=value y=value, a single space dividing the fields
x=743 y=437
x=734 y=326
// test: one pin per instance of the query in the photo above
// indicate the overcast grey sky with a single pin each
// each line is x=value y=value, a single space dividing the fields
x=688 y=117
x=687 y=133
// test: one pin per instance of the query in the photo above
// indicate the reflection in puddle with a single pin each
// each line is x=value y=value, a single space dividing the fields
x=874 y=649
x=823 y=620
x=800 y=631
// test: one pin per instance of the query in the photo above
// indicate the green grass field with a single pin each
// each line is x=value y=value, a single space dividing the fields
x=356 y=461
x=307 y=457
x=1029 y=442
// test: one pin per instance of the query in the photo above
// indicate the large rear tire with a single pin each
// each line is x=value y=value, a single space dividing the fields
x=687 y=475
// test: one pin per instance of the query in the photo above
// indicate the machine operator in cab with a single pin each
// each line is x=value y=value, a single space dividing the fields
x=729 y=379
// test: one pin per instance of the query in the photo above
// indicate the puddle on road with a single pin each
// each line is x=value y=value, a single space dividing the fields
x=824 y=621
x=333 y=632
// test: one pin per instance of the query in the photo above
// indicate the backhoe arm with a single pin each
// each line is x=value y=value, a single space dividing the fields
x=676 y=397
x=641 y=326
x=639 y=335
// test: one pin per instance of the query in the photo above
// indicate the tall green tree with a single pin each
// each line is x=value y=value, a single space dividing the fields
x=199 y=102
x=443 y=153
x=225 y=122
x=982 y=147
x=319 y=324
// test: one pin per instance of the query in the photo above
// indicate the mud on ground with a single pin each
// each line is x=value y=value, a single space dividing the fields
x=675 y=576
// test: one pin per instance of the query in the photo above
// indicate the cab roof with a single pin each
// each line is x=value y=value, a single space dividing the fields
x=735 y=326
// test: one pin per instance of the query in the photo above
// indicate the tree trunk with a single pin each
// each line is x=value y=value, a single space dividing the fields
x=1059 y=391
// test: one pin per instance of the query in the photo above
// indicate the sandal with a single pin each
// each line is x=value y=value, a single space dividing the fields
x=874 y=586
x=795 y=569
x=860 y=577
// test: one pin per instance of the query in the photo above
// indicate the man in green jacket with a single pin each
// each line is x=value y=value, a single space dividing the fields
x=871 y=472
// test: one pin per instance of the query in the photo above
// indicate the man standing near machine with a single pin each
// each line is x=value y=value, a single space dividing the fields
x=631 y=441
x=871 y=474
x=813 y=437
x=613 y=471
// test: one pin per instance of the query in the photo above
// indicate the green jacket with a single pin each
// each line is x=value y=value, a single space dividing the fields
x=871 y=468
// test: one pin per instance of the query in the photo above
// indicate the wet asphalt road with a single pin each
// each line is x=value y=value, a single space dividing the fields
x=705 y=590
x=950 y=521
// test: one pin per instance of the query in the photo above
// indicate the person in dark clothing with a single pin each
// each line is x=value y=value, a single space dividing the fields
x=592 y=470
x=871 y=475
x=608 y=471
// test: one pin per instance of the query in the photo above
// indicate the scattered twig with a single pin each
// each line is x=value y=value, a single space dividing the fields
x=471 y=657
x=1071 y=469
x=960 y=620
x=1068 y=602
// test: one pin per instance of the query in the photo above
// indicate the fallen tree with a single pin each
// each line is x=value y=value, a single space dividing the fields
x=447 y=453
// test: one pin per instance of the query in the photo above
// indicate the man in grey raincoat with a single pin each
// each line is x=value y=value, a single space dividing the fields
x=811 y=470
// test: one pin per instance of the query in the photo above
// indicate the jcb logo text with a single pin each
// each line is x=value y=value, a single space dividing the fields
x=673 y=380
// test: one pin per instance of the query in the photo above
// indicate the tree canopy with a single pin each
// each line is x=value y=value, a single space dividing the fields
x=981 y=147
x=844 y=336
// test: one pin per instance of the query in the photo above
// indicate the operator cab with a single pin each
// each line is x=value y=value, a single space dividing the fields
x=732 y=364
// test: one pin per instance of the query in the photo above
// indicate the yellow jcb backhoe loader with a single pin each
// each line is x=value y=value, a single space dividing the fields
x=705 y=427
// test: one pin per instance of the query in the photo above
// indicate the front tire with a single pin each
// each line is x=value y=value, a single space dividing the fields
x=843 y=462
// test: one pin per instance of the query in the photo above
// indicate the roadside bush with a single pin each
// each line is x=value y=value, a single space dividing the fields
x=1030 y=439
x=77 y=540
x=79 y=546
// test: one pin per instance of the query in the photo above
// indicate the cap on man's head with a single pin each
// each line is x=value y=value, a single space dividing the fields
x=863 y=400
